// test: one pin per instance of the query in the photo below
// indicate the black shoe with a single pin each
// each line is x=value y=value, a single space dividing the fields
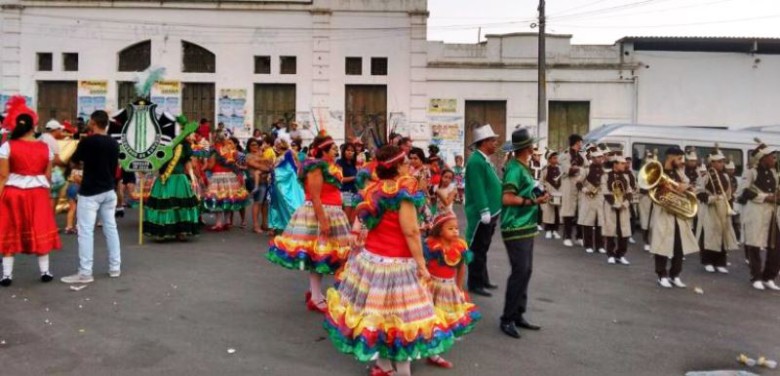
x=119 y=213
x=5 y=282
x=521 y=323
x=490 y=286
x=46 y=277
x=480 y=291
x=509 y=329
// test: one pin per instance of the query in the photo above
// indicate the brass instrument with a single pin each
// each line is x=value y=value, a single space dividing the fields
x=592 y=193
x=664 y=191
x=730 y=211
x=67 y=148
x=618 y=191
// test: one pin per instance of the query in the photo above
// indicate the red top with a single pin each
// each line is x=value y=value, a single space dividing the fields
x=443 y=262
x=28 y=158
x=387 y=239
x=441 y=271
x=330 y=194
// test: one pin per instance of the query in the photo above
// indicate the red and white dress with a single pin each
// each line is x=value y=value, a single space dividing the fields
x=26 y=216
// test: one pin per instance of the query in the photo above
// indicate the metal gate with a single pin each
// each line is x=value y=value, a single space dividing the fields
x=57 y=100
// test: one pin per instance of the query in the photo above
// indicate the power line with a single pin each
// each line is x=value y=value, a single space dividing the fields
x=587 y=5
x=635 y=4
x=658 y=10
x=672 y=25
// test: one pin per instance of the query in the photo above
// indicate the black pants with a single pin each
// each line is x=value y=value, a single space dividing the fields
x=771 y=265
x=553 y=226
x=521 y=258
x=677 y=259
x=617 y=245
x=478 y=273
x=710 y=257
x=568 y=227
x=592 y=238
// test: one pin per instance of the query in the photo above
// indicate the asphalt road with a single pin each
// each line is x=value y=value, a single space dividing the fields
x=179 y=308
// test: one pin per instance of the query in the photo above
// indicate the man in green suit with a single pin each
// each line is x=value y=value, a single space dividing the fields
x=483 y=205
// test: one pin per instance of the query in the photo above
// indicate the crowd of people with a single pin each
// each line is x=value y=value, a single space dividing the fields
x=382 y=222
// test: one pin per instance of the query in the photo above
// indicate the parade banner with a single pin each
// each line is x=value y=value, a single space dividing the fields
x=232 y=111
x=91 y=97
x=167 y=96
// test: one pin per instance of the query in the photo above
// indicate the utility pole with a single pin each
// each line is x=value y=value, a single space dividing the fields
x=542 y=67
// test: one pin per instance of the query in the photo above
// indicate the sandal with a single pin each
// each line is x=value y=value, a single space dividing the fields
x=438 y=361
x=216 y=228
x=321 y=306
x=378 y=371
x=70 y=230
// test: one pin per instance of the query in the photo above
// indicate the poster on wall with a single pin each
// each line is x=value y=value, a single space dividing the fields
x=167 y=96
x=447 y=133
x=91 y=97
x=232 y=111
x=442 y=106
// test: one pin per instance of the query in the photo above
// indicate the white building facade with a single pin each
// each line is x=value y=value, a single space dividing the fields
x=364 y=68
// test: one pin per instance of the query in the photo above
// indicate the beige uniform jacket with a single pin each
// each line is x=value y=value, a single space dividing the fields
x=611 y=211
x=714 y=224
x=662 y=228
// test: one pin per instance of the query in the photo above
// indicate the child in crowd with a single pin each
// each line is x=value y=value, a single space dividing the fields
x=72 y=192
x=446 y=255
x=446 y=192
x=460 y=173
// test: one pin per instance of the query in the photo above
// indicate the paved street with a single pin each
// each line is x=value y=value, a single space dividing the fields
x=178 y=308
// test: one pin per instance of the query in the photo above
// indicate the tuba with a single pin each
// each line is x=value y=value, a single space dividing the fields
x=663 y=191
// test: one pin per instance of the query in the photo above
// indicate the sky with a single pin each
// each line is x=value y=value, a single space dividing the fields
x=604 y=21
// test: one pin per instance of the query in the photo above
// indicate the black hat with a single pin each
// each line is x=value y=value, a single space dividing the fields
x=521 y=139
x=674 y=150
x=574 y=138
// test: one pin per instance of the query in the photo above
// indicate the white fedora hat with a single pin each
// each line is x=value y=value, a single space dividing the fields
x=481 y=133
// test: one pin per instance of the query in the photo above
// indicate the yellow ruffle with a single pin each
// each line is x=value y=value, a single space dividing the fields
x=315 y=248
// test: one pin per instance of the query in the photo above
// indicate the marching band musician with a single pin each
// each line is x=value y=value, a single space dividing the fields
x=731 y=170
x=714 y=231
x=634 y=202
x=671 y=236
x=551 y=179
x=646 y=206
x=591 y=203
x=617 y=190
x=572 y=163
x=760 y=218
x=536 y=163
x=692 y=172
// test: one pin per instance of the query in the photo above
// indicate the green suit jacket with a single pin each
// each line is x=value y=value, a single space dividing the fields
x=483 y=192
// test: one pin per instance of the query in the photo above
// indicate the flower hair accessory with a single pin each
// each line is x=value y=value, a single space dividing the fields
x=16 y=106
x=390 y=162
x=444 y=218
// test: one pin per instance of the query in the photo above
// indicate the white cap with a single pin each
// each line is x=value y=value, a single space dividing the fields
x=54 y=125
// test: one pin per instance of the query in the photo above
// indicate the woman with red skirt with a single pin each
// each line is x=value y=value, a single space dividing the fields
x=26 y=216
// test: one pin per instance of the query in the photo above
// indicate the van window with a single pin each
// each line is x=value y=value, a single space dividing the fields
x=734 y=155
x=639 y=149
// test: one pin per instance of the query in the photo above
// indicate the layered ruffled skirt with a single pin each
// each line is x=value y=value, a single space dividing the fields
x=172 y=209
x=225 y=192
x=460 y=315
x=27 y=222
x=302 y=247
x=381 y=310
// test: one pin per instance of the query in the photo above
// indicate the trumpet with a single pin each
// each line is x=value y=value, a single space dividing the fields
x=665 y=192
x=724 y=197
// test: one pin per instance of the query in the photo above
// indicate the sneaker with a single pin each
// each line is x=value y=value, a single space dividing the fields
x=709 y=268
x=602 y=251
x=771 y=285
x=631 y=240
x=548 y=235
x=588 y=250
x=678 y=283
x=556 y=235
x=568 y=243
x=114 y=273
x=758 y=285
x=47 y=277
x=664 y=282
x=539 y=228
x=6 y=281
x=580 y=242
x=647 y=247
x=611 y=260
x=722 y=270
x=77 y=278
x=624 y=261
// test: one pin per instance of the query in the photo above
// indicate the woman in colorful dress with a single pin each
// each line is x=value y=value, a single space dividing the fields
x=26 y=212
x=286 y=193
x=226 y=192
x=172 y=210
x=381 y=310
x=447 y=255
x=317 y=239
x=348 y=164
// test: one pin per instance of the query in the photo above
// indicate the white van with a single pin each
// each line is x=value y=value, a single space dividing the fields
x=635 y=139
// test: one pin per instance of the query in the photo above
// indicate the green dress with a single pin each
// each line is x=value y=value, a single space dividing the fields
x=172 y=208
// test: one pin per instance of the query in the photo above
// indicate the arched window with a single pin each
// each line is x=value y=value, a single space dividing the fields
x=136 y=58
x=196 y=59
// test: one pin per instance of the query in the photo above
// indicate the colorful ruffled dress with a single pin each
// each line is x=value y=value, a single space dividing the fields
x=226 y=191
x=286 y=193
x=443 y=264
x=301 y=246
x=172 y=208
x=381 y=309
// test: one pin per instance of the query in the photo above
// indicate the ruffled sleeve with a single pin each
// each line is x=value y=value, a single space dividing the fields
x=453 y=256
x=331 y=174
x=387 y=195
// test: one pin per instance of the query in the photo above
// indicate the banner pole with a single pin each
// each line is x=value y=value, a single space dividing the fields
x=141 y=212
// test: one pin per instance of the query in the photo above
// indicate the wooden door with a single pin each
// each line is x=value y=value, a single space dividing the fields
x=486 y=112
x=567 y=118
x=273 y=101
x=198 y=101
x=366 y=113
x=57 y=100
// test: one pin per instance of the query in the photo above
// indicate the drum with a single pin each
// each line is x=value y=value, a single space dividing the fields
x=555 y=199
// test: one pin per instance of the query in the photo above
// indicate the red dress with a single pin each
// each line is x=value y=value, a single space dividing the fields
x=26 y=216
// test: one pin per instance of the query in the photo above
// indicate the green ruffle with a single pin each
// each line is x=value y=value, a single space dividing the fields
x=371 y=218
x=362 y=352
x=314 y=164
x=175 y=193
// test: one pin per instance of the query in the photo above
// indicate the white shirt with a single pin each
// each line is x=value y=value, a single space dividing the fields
x=24 y=181
x=49 y=140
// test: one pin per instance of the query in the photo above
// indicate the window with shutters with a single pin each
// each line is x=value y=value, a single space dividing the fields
x=262 y=65
x=44 y=61
x=136 y=58
x=379 y=66
x=354 y=66
x=288 y=64
x=70 y=62
x=196 y=59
